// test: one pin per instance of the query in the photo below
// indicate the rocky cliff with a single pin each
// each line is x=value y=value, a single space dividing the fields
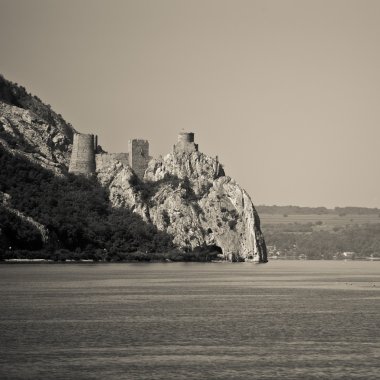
x=207 y=208
x=30 y=128
x=185 y=195
x=188 y=195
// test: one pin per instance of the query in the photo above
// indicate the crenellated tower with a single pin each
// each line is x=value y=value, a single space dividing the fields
x=138 y=156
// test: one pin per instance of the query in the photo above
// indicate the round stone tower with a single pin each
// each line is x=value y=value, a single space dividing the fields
x=83 y=154
x=186 y=137
x=185 y=143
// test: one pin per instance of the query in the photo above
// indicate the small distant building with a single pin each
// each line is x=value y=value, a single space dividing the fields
x=348 y=255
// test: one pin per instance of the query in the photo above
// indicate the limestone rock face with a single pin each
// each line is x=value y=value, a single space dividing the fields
x=235 y=222
x=120 y=179
x=187 y=195
x=207 y=207
x=31 y=129
x=200 y=169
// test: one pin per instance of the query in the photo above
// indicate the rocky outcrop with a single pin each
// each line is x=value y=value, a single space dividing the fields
x=31 y=129
x=200 y=169
x=207 y=208
x=121 y=182
x=235 y=222
x=187 y=195
x=24 y=133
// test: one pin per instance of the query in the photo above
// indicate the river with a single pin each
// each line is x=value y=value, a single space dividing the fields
x=281 y=320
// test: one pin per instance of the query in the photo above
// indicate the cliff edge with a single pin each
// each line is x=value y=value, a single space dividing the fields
x=187 y=195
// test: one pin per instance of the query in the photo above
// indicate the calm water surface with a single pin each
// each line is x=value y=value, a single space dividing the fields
x=282 y=320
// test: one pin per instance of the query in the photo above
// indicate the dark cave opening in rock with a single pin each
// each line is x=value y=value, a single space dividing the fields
x=215 y=248
x=211 y=251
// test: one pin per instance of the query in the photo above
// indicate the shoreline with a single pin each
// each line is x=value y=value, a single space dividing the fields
x=80 y=262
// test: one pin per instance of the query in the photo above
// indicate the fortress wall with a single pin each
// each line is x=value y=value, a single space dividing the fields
x=104 y=159
x=138 y=156
x=82 y=155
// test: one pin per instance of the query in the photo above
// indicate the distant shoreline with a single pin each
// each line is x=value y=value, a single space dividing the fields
x=47 y=261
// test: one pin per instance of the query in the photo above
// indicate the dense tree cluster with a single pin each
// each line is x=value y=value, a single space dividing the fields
x=76 y=212
x=15 y=232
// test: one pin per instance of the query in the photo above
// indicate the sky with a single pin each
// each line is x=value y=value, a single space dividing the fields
x=285 y=92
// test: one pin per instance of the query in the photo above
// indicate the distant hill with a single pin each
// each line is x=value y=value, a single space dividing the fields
x=297 y=210
x=321 y=233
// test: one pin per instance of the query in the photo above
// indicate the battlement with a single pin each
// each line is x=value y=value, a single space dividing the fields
x=83 y=154
x=185 y=143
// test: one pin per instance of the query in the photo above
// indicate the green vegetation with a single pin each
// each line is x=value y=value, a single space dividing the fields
x=76 y=212
x=15 y=232
x=64 y=255
x=320 y=233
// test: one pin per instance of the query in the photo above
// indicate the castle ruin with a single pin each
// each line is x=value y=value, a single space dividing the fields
x=87 y=156
x=185 y=143
x=83 y=154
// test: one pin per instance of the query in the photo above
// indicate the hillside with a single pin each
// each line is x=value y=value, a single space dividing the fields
x=317 y=233
x=297 y=210
x=183 y=209
x=38 y=194
x=32 y=130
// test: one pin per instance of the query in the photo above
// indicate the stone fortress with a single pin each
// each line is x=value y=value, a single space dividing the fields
x=87 y=155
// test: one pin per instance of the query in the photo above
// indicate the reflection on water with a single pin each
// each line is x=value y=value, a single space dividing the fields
x=282 y=320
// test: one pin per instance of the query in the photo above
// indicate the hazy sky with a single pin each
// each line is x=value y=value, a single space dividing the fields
x=286 y=93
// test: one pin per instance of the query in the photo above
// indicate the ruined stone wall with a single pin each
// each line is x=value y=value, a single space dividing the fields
x=103 y=159
x=185 y=143
x=82 y=155
x=138 y=156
